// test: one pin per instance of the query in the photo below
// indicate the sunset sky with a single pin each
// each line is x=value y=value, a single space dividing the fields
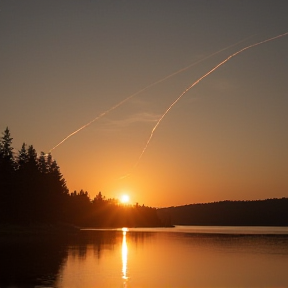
x=63 y=63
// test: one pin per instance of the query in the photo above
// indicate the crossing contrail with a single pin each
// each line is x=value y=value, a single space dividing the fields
x=191 y=86
x=142 y=90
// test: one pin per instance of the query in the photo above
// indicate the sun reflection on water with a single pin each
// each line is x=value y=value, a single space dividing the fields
x=124 y=256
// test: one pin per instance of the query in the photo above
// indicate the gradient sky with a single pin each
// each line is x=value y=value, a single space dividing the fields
x=65 y=62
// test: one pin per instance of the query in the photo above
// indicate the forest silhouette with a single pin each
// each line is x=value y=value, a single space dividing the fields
x=268 y=212
x=33 y=191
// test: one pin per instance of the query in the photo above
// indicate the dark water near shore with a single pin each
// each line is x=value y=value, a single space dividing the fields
x=148 y=257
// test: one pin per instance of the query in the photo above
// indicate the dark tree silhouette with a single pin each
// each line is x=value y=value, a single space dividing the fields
x=7 y=166
x=22 y=157
x=33 y=191
x=269 y=212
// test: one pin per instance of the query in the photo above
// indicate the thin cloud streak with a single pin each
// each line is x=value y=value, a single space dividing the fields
x=191 y=86
x=135 y=118
x=142 y=90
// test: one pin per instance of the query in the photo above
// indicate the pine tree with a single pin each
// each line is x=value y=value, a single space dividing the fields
x=7 y=174
x=6 y=145
x=6 y=152
x=20 y=196
x=42 y=163
x=31 y=188
x=56 y=191
x=57 y=180
x=22 y=157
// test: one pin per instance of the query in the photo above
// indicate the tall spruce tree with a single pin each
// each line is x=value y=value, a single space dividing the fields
x=58 y=191
x=7 y=171
x=6 y=145
x=20 y=185
x=22 y=157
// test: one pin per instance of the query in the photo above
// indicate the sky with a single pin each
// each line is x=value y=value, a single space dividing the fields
x=63 y=63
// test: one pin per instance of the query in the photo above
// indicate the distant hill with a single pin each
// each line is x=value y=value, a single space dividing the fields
x=269 y=212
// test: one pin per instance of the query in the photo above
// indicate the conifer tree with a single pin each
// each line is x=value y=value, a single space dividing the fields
x=6 y=145
x=22 y=157
x=42 y=163
x=7 y=166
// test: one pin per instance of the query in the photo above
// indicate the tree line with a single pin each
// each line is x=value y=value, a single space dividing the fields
x=33 y=190
x=269 y=212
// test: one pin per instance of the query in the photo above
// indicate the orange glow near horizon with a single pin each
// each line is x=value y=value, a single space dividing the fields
x=133 y=107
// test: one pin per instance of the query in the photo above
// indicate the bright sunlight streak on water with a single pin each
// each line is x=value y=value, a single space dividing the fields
x=124 y=256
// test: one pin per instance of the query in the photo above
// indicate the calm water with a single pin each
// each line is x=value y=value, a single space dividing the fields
x=161 y=257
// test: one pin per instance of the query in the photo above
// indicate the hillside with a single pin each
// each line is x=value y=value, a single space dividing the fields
x=269 y=212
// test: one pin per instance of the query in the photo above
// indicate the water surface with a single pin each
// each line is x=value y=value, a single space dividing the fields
x=190 y=256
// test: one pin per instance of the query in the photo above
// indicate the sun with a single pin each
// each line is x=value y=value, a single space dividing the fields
x=124 y=199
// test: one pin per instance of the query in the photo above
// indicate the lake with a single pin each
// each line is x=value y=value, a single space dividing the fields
x=184 y=256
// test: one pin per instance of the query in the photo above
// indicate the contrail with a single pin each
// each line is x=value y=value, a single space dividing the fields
x=142 y=90
x=191 y=86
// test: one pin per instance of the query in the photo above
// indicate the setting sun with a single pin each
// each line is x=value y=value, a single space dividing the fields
x=124 y=199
